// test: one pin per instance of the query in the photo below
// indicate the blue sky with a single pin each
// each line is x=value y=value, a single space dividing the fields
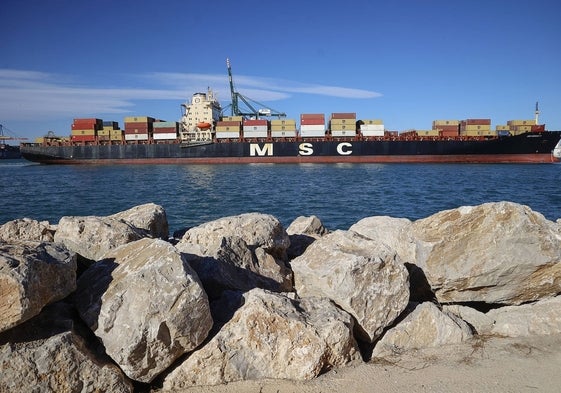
x=406 y=62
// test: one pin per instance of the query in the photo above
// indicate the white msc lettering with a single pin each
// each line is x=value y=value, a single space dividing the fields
x=341 y=149
x=305 y=149
x=266 y=150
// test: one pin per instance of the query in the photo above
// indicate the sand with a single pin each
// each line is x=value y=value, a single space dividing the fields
x=530 y=364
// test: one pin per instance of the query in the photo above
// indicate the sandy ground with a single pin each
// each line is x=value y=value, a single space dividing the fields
x=530 y=364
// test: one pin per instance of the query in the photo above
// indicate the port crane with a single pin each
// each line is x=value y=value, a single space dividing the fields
x=4 y=137
x=251 y=112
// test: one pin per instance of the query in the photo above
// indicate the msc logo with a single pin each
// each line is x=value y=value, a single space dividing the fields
x=256 y=150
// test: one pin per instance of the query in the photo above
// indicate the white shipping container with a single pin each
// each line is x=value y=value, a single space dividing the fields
x=283 y=134
x=343 y=132
x=136 y=137
x=372 y=127
x=165 y=135
x=254 y=128
x=255 y=134
x=312 y=127
x=312 y=133
x=227 y=134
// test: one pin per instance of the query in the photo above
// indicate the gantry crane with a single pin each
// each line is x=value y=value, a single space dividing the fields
x=4 y=138
x=251 y=112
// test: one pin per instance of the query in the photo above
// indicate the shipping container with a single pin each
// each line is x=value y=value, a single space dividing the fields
x=137 y=130
x=449 y=133
x=163 y=135
x=451 y=128
x=373 y=121
x=257 y=122
x=312 y=116
x=166 y=124
x=283 y=133
x=229 y=128
x=502 y=128
x=521 y=122
x=312 y=121
x=343 y=127
x=474 y=127
x=110 y=125
x=313 y=127
x=233 y=118
x=227 y=134
x=345 y=133
x=104 y=133
x=478 y=122
x=83 y=132
x=291 y=127
x=538 y=127
x=372 y=127
x=376 y=133
x=283 y=122
x=139 y=119
x=82 y=138
x=116 y=135
x=255 y=133
x=343 y=121
x=428 y=133
x=445 y=123
x=350 y=115
x=166 y=130
x=228 y=123
x=136 y=137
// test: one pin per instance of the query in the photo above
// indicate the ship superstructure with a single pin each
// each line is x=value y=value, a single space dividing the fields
x=199 y=117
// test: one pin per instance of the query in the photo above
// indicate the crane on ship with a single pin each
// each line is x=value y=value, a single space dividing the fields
x=251 y=111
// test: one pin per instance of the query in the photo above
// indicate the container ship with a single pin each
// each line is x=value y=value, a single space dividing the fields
x=204 y=136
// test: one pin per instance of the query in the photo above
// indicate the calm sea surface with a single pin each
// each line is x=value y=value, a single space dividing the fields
x=339 y=194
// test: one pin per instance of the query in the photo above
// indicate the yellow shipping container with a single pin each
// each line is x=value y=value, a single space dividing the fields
x=522 y=128
x=289 y=127
x=104 y=132
x=139 y=119
x=502 y=128
x=228 y=128
x=348 y=121
x=428 y=132
x=373 y=121
x=283 y=122
x=232 y=118
x=82 y=132
x=475 y=127
x=445 y=123
x=116 y=135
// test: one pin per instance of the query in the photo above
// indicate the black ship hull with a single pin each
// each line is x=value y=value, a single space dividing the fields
x=536 y=147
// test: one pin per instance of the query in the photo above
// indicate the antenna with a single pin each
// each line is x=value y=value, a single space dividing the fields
x=537 y=113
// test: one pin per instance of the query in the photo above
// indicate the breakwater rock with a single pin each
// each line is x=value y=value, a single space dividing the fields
x=113 y=304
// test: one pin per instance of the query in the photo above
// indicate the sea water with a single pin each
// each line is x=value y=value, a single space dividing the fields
x=339 y=194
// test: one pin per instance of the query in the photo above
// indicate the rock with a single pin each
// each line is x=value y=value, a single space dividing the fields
x=477 y=320
x=149 y=217
x=302 y=232
x=32 y=275
x=26 y=229
x=92 y=237
x=256 y=230
x=46 y=354
x=397 y=233
x=426 y=326
x=239 y=253
x=146 y=305
x=271 y=336
x=362 y=276
x=540 y=318
x=495 y=253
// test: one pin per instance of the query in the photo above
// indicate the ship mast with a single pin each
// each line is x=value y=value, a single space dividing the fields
x=537 y=113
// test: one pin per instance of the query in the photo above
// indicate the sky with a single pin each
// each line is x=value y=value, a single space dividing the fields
x=406 y=62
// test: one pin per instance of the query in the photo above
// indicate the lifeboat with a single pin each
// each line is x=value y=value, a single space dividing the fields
x=203 y=125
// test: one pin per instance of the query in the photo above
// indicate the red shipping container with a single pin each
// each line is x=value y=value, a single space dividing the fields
x=312 y=116
x=538 y=127
x=82 y=138
x=478 y=122
x=164 y=130
x=256 y=122
x=449 y=133
x=447 y=128
x=312 y=121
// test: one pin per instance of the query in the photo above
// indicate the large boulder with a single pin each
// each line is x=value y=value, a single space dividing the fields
x=540 y=318
x=495 y=253
x=239 y=253
x=92 y=237
x=32 y=275
x=26 y=229
x=47 y=354
x=148 y=217
x=271 y=336
x=362 y=276
x=396 y=233
x=146 y=305
x=302 y=232
x=425 y=327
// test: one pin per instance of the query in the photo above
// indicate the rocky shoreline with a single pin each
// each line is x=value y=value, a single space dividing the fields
x=115 y=304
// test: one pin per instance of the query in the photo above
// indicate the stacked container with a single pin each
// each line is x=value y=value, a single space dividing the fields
x=85 y=129
x=343 y=124
x=428 y=133
x=109 y=128
x=255 y=128
x=139 y=128
x=283 y=128
x=312 y=125
x=518 y=127
x=372 y=127
x=476 y=127
x=165 y=130
x=228 y=129
x=447 y=128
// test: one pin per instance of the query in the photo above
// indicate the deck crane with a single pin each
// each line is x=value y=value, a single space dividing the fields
x=252 y=112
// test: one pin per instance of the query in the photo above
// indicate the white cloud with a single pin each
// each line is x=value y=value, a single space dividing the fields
x=30 y=93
